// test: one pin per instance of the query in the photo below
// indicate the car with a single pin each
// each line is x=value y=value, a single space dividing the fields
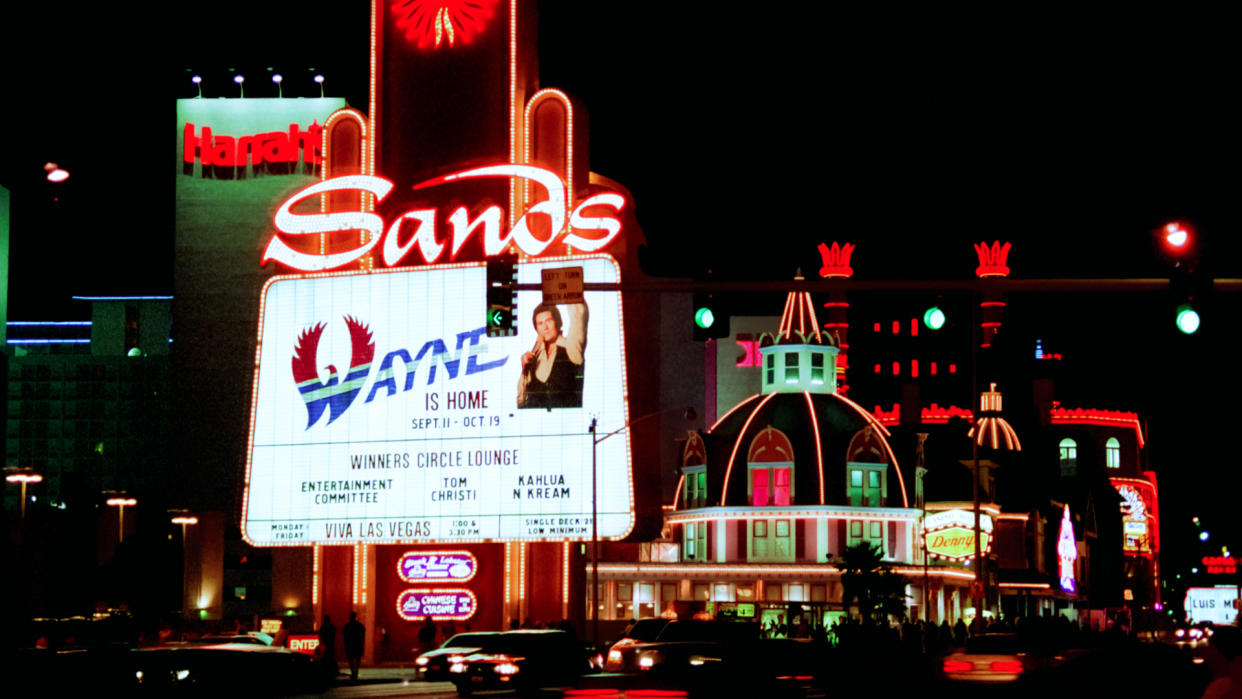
x=434 y=664
x=524 y=661
x=641 y=631
x=625 y=656
x=252 y=669
x=1001 y=658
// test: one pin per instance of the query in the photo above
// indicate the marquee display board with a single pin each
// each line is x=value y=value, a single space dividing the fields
x=382 y=413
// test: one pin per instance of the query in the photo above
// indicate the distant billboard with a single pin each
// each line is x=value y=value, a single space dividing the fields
x=1138 y=516
x=383 y=413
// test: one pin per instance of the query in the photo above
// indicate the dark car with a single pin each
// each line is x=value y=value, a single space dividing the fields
x=624 y=657
x=523 y=661
x=641 y=631
x=434 y=664
x=233 y=669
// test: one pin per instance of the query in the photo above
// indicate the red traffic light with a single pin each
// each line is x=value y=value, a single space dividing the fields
x=1176 y=235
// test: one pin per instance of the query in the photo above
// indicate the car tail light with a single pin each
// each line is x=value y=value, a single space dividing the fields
x=1007 y=666
x=958 y=666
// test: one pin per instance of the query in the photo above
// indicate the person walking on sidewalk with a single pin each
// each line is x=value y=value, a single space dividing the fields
x=354 y=634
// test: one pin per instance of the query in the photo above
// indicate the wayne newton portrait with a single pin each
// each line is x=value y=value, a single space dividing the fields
x=552 y=370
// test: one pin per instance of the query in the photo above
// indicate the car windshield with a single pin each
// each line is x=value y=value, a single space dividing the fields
x=1001 y=644
x=722 y=631
x=470 y=640
x=646 y=629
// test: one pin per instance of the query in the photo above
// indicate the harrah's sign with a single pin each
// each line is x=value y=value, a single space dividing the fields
x=591 y=226
x=257 y=149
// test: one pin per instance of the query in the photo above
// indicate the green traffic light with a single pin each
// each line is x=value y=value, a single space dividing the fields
x=704 y=318
x=933 y=318
x=1187 y=319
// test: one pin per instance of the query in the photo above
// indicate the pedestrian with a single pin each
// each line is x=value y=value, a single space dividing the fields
x=959 y=633
x=281 y=639
x=427 y=635
x=326 y=650
x=354 y=634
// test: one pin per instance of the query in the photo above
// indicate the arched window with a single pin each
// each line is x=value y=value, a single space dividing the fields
x=770 y=467
x=1112 y=453
x=1069 y=457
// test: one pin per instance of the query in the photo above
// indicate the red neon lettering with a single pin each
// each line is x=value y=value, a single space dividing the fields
x=254 y=149
x=430 y=247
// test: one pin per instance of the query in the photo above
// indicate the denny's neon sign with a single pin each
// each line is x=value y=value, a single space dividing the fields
x=591 y=225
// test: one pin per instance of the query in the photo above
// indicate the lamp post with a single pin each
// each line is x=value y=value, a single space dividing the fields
x=120 y=501
x=185 y=519
x=23 y=477
x=689 y=414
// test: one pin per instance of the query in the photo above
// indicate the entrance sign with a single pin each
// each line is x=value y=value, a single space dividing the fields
x=440 y=605
x=951 y=535
x=591 y=226
x=421 y=566
x=382 y=412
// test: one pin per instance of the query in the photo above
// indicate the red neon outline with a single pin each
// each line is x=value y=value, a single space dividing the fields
x=474 y=603
x=992 y=259
x=905 y=501
x=819 y=448
x=1102 y=418
x=836 y=260
x=724 y=490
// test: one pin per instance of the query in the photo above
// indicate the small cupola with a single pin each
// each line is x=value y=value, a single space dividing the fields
x=800 y=357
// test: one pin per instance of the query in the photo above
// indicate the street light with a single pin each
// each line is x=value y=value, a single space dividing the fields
x=689 y=414
x=23 y=477
x=120 y=501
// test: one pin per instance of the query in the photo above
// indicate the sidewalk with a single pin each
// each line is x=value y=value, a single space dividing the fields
x=376 y=674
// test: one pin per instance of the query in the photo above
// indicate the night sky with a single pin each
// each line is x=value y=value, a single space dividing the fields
x=747 y=136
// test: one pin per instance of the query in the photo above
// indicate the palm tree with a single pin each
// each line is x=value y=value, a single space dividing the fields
x=872 y=585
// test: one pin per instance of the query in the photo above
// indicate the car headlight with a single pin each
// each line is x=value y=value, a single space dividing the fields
x=614 y=656
x=456 y=658
x=457 y=667
x=507 y=669
x=421 y=662
x=182 y=674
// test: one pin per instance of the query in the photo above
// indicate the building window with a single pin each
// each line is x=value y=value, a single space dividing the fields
x=695 y=543
x=1069 y=457
x=1112 y=453
x=771 y=540
x=792 y=374
x=866 y=485
x=769 y=368
x=817 y=367
x=701 y=592
x=696 y=486
x=770 y=486
x=855 y=534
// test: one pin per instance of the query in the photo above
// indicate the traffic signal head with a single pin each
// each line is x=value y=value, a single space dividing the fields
x=501 y=296
x=1187 y=319
x=711 y=321
x=933 y=318
x=1178 y=243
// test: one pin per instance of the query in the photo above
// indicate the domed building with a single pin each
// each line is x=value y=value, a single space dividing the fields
x=771 y=496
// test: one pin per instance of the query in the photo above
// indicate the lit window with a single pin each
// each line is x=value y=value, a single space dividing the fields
x=780 y=494
x=1069 y=457
x=759 y=487
x=1112 y=453
x=782 y=527
x=761 y=527
x=856 y=528
x=817 y=367
x=856 y=478
x=792 y=375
